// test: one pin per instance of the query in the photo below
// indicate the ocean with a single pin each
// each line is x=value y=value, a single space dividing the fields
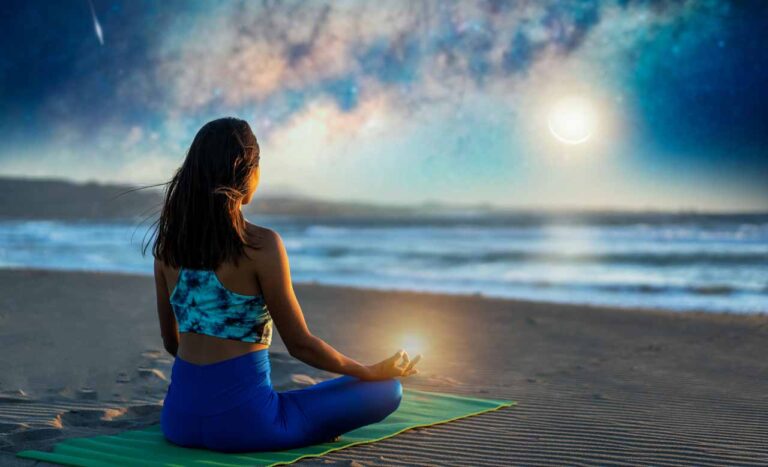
x=661 y=261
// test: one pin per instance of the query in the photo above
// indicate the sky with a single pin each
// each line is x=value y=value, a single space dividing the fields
x=402 y=102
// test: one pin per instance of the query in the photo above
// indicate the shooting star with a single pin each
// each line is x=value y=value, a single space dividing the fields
x=96 y=25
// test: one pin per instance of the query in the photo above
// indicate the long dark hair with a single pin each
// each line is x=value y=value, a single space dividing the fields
x=200 y=224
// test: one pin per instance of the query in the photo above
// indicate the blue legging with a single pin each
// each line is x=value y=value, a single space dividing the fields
x=230 y=406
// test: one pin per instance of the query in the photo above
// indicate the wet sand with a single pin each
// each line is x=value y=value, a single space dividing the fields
x=81 y=355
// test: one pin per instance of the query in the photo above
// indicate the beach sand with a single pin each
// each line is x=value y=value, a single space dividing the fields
x=81 y=355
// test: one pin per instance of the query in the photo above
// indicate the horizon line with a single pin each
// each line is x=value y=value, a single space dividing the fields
x=486 y=206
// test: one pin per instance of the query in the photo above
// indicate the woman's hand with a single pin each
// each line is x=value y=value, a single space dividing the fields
x=397 y=365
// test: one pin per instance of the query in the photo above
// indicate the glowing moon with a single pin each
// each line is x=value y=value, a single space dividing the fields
x=572 y=120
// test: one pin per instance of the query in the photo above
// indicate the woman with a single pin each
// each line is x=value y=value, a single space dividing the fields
x=221 y=283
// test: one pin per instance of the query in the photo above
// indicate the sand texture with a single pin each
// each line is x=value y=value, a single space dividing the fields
x=80 y=355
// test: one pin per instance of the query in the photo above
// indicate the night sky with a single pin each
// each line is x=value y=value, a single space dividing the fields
x=401 y=102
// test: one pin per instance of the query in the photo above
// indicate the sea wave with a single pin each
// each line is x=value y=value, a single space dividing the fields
x=470 y=257
x=710 y=263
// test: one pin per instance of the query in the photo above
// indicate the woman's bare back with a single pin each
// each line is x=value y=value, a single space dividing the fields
x=202 y=349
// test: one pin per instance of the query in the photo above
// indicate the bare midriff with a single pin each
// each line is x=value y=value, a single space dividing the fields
x=201 y=349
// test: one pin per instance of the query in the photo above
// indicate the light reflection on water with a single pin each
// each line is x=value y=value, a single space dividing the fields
x=670 y=263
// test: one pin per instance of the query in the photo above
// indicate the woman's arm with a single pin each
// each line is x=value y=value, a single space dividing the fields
x=169 y=329
x=277 y=288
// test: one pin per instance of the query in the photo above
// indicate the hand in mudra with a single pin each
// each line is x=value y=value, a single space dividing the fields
x=397 y=365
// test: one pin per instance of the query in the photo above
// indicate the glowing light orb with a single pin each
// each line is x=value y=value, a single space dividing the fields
x=413 y=344
x=572 y=120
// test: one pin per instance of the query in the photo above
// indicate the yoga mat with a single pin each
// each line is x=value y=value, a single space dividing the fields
x=148 y=447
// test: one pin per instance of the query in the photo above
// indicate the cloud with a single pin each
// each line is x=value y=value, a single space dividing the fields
x=273 y=59
x=344 y=85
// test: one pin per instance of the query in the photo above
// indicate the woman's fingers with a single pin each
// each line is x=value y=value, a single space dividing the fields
x=401 y=366
x=410 y=372
x=413 y=363
x=407 y=369
x=394 y=358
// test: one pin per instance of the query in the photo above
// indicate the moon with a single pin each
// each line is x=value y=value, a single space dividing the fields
x=571 y=120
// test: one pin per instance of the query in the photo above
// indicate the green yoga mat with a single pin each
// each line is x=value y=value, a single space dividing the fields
x=148 y=447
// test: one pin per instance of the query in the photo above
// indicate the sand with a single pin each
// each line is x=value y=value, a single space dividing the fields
x=80 y=355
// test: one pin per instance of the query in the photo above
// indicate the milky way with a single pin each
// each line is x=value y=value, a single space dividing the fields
x=359 y=99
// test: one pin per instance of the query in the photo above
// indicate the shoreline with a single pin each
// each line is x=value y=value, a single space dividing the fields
x=415 y=292
x=81 y=355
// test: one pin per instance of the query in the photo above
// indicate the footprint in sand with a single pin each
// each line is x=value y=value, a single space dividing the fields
x=87 y=393
x=109 y=416
x=14 y=395
x=153 y=357
x=304 y=380
x=152 y=354
x=151 y=373
x=89 y=417
x=119 y=398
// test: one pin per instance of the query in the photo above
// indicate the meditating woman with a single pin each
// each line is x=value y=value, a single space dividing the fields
x=221 y=283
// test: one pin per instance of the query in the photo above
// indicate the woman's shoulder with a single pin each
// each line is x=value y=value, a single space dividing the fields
x=267 y=252
x=264 y=239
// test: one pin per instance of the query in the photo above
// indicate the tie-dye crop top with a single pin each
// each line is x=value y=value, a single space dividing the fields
x=203 y=305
